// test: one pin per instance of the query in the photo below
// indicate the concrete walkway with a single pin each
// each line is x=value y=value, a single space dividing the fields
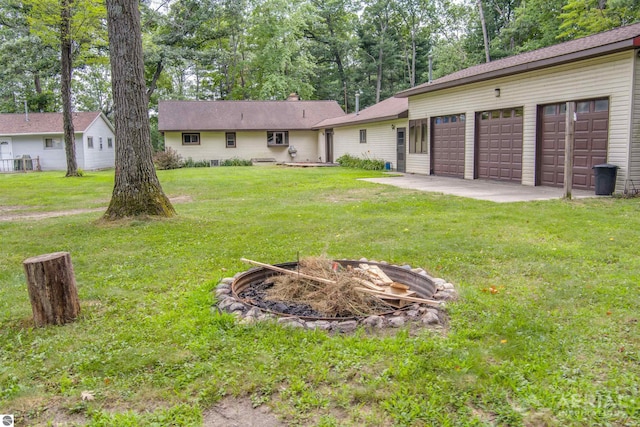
x=493 y=191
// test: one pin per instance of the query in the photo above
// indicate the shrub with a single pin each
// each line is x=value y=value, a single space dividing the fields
x=190 y=163
x=167 y=159
x=236 y=162
x=366 y=163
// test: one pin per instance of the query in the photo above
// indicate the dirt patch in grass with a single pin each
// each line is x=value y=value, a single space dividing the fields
x=239 y=412
x=53 y=412
x=7 y=215
x=354 y=195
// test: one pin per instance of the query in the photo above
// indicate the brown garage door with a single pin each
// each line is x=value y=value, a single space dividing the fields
x=447 y=145
x=499 y=145
x=590 y=145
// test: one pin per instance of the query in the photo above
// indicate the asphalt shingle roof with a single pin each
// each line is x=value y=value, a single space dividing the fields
x=390 y=108
x=43 y=123
x=608 y=42
x=244 y=115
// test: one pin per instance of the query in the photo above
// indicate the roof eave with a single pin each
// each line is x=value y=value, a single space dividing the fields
x=38 y=133
x=529 y=66
x=402 y=115
x=232 y=129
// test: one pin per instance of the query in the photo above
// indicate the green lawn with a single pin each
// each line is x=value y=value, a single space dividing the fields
x=558 y=344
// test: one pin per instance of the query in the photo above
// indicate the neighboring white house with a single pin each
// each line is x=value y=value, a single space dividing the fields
x=505 y=120
x=40 y=137
x=214 y=131
x=377 y=132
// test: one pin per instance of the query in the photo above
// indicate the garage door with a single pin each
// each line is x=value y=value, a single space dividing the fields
x=590 y=144
x=499 y=145
x=447 y=152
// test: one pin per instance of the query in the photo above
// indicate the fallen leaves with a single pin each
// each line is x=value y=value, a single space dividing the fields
x=492 y=289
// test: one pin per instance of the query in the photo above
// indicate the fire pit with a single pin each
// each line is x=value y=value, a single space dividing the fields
x=244 y=296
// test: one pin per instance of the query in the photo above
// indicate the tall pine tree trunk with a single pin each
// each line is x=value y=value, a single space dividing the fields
x=66 y=63
x=379 y=75
x=485 y=37
x=137 y=190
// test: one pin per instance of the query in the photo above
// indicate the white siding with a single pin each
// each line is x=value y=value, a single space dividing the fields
x=381 y=140
x=607 y=76
x=55 y=158
x=249 y=145
x=50 y=158
x=97 y=157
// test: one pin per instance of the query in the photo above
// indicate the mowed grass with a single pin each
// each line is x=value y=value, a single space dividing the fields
x=557 y=344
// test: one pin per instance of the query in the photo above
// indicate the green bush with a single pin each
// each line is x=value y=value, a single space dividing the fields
x=236 y=162
x=167 y=159
x=190 y=163
x=366 y=163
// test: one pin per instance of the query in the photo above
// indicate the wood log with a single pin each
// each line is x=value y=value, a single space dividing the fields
x=375 y=273
x=52 y=288
x=368 y=284
x=381 y=274
x=384 y=295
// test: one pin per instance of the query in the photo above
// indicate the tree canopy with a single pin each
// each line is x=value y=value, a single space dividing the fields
x=266 y=49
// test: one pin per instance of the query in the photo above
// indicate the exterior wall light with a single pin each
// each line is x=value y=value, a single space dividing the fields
x=496 y=91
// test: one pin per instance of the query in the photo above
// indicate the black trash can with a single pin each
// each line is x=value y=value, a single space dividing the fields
x=605 y=176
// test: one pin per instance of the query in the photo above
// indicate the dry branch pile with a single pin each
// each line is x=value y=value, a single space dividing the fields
x=328 y=287
x=338 y=299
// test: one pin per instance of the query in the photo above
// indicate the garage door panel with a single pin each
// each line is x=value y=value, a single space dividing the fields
x=580 y=180
x=499 y=145
x=581 y=126
x=590 y=143
x=581 y=144
x=448 y=145
x=506 y=129
x=600 y=125
x=581 y=161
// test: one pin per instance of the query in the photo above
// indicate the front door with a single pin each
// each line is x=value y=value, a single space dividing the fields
x=5 y=149
x=329 y=145
x=401 y=140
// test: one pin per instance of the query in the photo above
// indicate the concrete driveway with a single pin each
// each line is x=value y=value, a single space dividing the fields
x=493 y=191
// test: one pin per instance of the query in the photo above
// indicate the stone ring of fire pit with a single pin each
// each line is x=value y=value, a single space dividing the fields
x=425 y=286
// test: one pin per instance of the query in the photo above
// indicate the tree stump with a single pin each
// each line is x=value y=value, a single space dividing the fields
x=52 y=288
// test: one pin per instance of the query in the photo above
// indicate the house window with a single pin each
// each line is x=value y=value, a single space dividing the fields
x=109 y=142
x=190 y=139
x=100 y=141
x=52 y=143
x=89 y=142
x=231 y=139
x=363 y=136
x=277 y=139
x=418 y=134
